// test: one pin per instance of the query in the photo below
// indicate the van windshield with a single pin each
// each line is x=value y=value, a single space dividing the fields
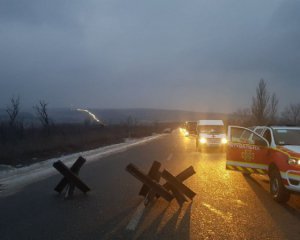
x=211 y=129
x=287 y=136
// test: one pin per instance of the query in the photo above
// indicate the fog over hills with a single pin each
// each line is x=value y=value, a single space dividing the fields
x=115 y=116
x=150 y=115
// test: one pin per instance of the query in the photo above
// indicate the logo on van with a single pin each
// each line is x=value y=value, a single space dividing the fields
x=248 y=155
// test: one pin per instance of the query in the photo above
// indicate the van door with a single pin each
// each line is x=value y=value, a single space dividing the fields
x=247 y=151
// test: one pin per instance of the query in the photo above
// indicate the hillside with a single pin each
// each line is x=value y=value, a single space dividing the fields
x=115 y=116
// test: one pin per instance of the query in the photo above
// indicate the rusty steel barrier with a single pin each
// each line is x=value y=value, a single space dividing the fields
x=70 y=178
x=173 y=188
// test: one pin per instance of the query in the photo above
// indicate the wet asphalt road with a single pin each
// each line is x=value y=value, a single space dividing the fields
x=227 y=205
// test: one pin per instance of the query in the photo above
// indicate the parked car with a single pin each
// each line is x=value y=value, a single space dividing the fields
x=190 y=128
x=273 y=151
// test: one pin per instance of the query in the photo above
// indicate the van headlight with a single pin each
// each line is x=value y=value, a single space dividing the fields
x=203 y=140
x=293 y=161
x=223 y=140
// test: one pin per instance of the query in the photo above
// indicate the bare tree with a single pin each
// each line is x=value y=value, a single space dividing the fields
x=259 y=108
x=264 y=108
x=291 y=114
x=13 y=110
x=273 y=109
x=42 y=113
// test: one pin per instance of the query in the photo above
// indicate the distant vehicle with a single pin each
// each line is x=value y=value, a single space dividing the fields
x=210 y=134
x=273 y=151
x=190 y=128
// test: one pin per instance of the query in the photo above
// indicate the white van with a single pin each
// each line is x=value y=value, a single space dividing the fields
x=210 y=133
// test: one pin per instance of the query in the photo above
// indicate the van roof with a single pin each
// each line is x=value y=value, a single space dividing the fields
x=211 y=122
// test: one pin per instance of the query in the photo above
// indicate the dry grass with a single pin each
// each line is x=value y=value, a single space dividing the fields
x=26 y=146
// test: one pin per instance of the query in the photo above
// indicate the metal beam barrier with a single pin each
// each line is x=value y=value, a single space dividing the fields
x=174 y=182
x=155 y=187
x=184 y=175
x=75 y=169
x=154 y=174
x=70 y=176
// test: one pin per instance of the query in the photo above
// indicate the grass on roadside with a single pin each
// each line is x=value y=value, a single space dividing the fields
x=35 y=144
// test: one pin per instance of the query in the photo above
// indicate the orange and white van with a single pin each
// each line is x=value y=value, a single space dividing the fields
x=274 y=151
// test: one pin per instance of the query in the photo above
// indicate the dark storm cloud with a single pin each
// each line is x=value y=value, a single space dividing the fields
x=198 y=55
x=39 y=12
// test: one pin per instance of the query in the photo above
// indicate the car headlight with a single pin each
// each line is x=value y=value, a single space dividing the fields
x=292 y=161
x=224 y=141
x=203 y=140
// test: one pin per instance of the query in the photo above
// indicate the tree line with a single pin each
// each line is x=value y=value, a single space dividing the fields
x=13 y=112
x=21 y=144
x=12 y=129
x=264 y=110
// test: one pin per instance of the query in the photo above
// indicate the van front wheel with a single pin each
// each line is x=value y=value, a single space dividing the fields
x=279 y=192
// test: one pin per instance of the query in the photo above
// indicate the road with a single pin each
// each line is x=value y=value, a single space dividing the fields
x=227 y=205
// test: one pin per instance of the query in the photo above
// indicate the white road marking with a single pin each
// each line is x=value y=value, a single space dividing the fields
x=136 y=217
x=240 y=202
x=170 y=157
x=225 y=216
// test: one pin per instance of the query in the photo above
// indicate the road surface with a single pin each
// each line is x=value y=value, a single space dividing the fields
x=227 y=205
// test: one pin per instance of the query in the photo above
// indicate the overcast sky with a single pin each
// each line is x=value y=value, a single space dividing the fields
x=200 y=55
